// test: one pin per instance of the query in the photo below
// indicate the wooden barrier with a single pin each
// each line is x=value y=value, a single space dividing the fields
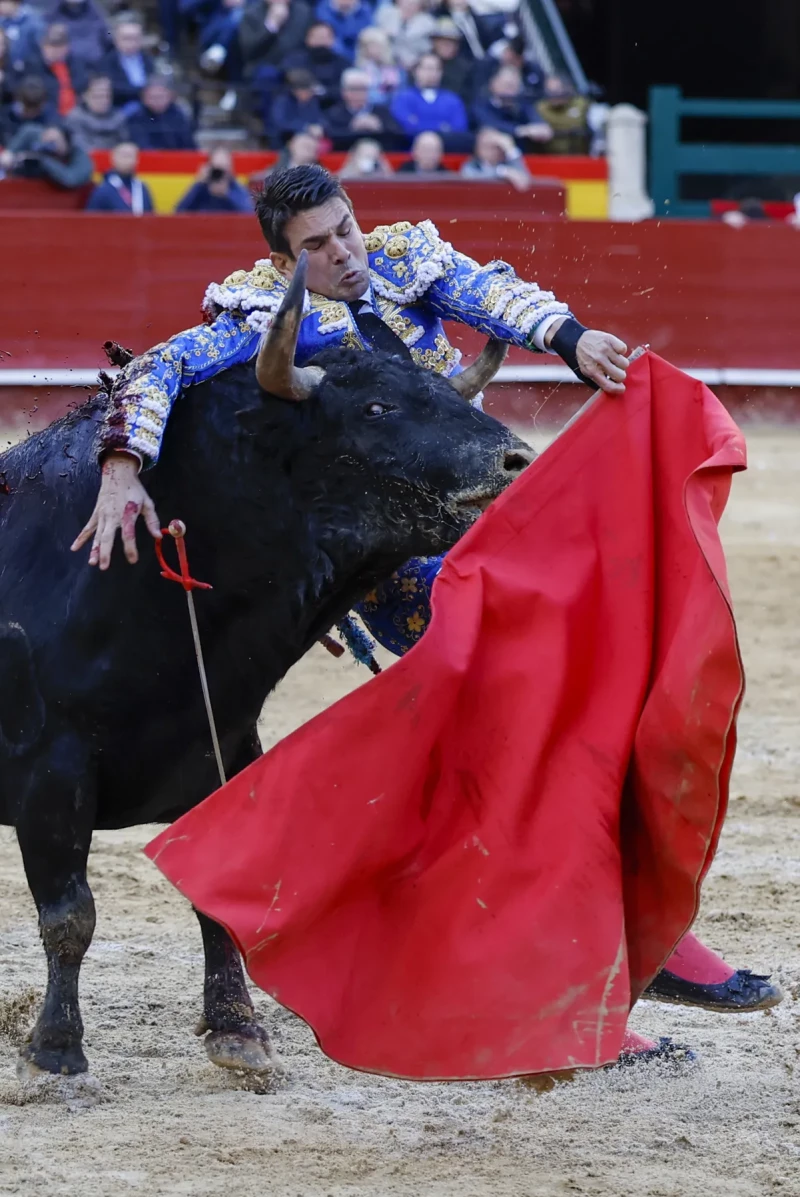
x=702 y=294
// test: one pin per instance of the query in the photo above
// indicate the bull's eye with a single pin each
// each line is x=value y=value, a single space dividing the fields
x=377 y=409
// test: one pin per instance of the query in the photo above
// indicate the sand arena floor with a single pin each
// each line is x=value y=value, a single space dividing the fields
x=170 y=1123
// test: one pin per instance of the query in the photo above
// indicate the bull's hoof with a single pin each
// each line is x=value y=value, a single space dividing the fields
x=34 y=1060
x=245 y=1050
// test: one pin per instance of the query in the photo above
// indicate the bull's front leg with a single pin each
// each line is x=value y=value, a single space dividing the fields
x=54 y=830
x=234 y=1037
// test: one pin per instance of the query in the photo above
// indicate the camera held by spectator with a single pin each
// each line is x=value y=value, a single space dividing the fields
x=217 y=188
x=49 y=153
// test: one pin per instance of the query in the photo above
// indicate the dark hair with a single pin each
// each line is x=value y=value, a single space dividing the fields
x=31 y=90
x=287 y=192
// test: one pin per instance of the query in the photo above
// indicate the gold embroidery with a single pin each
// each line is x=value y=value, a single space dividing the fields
x=266 y=277
x=351 y=340
x=330 y=311
x=439 y=359
x=398 y=247
x=402 y=226
x=377 y=238
x=402 y=325
x=236 y=279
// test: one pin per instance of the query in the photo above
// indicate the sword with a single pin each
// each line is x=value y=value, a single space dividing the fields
x=177 y=530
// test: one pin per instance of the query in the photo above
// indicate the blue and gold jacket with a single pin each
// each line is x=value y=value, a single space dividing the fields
x=417 y=280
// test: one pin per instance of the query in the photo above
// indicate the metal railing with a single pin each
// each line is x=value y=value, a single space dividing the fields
x=547 y=36
x=671 y=158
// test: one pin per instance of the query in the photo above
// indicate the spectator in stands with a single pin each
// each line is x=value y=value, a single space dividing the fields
x=270 y=30
x=566 y=114
x=36 y=153
x=513 y=53
x=157 y=122
x=319 y=56
x=87 y=29
x=374 y=55
x=505 y=107
x=127 y=65
x=122 y=190
x=426 y=156
x=95 y=123
x=22 y=27
x=219 y=38
x=366 y=161
x=347 y=18
x=425 y=106
x=296 y=109
x=354 y=116
x=29 y=106
x=478 y=33
x=9 y=75
x=300 y=150
x=64 y=76
x=217 y=188
x=497 y=156
x=409 y=27
x=458 y=68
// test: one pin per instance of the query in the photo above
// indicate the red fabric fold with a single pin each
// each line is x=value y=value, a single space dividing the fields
x=472 y=866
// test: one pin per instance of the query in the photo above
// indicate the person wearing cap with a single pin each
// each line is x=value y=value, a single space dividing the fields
x=457 y=66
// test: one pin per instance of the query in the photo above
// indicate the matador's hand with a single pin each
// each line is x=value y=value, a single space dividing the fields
x=122 y=499
x=600 y=358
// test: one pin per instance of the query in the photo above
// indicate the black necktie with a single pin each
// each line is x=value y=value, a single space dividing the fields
x=377 y=334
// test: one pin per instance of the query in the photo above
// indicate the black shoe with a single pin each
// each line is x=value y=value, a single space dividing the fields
x=665 y=1051
x=741 y=993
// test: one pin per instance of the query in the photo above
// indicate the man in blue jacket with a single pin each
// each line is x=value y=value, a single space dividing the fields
x=425 y=107
x=121 y=190
x=157 y=123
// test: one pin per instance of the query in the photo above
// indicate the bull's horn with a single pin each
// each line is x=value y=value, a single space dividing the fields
x=470 y=382
x=275 y=368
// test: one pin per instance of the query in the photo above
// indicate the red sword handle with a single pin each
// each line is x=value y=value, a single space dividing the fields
x=177 y=530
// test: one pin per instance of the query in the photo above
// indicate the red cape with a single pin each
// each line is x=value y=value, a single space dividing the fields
x=471 y=866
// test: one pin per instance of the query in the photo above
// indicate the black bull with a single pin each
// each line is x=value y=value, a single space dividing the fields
x=295 y=510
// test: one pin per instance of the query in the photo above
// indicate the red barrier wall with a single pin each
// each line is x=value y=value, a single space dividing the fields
x=701 y=294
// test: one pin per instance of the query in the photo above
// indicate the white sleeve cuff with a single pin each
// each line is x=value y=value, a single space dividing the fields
x=541 y=330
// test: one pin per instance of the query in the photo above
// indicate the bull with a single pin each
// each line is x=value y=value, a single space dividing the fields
x=301 y=508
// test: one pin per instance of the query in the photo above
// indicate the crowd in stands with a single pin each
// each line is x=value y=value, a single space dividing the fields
x=366 y=77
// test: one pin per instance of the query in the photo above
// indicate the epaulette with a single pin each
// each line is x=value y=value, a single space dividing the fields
x=405 y=259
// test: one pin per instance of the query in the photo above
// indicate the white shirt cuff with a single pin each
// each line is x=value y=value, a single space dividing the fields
x=539 y=335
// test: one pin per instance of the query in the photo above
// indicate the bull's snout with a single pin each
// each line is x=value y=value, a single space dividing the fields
x=516 y=460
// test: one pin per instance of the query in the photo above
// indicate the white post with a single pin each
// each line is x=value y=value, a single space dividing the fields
x=627 y=164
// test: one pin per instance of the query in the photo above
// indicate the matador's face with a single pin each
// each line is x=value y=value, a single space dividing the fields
x=337 y=256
